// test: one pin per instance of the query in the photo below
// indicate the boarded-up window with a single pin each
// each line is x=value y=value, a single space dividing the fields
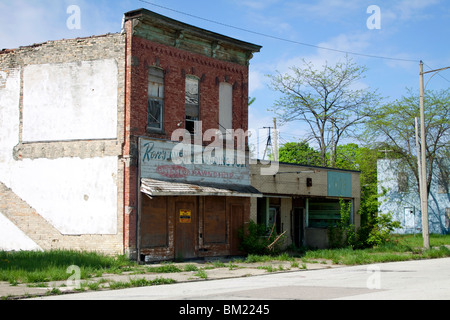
x=323 y=213
x=192 y=103
x=225 y=106
x=154 y=222
x=215 y=220
x=155 y=99
x=339 y=184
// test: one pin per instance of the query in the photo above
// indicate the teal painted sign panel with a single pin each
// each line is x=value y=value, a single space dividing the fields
x=339 y=184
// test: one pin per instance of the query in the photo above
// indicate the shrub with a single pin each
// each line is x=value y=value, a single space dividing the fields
x=382 y=229
x=255 y=240
x=377 y=231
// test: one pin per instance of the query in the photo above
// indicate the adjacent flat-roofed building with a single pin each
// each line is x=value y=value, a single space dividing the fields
x=303 y=201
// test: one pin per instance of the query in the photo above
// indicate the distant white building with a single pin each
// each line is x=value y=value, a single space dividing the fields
x=403 y=201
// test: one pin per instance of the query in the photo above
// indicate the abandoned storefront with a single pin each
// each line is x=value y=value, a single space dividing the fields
x=302 y=202
x=76 y=183
x=189 y=210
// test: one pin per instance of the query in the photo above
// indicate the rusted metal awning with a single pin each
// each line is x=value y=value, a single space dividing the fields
x=153 y=188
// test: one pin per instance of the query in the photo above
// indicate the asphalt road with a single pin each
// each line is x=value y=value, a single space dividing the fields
x=418 y=280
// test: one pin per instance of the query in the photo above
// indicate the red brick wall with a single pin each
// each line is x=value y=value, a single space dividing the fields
x=177 y=64
x=141 y=54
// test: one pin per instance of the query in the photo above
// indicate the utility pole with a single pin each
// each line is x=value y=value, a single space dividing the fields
x=269 y=140
x=419 y=165
x=423 y=171
x=275 y=147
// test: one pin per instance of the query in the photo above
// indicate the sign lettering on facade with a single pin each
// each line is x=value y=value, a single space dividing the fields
x=168 y=161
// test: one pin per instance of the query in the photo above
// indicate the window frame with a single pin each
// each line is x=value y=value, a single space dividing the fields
x=225 y=105
x=157 y=77
x=192 y=128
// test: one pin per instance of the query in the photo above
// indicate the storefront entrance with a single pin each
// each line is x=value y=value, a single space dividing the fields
x=186 y=227
x=298 y=227
x=190 y=209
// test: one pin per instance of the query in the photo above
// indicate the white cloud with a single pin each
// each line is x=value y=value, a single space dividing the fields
x=358 y=43
x=26 y=22
x=256 y=81
x=413 y=9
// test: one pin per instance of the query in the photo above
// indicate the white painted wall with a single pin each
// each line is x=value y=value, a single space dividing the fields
x=9 y=112
x=70 y=101
x=13 y=239
x=397 y=202
x=77 y=196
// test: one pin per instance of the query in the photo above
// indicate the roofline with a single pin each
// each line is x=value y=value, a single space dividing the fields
x=40 y=44
x=213 y=36
x=308 y=166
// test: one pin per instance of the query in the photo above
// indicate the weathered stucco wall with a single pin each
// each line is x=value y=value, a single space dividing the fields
x=61 y=134
x=70 y=101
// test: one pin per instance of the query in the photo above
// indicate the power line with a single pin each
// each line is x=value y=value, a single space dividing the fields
x=278 y=38
x=440 y=75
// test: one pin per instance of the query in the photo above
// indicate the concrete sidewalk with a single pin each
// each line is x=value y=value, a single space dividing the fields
x=237 y=270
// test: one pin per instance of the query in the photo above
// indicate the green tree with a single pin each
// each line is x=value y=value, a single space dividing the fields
x=348 y=156
x=393 y=125
x=299 y=153
x=327 y=100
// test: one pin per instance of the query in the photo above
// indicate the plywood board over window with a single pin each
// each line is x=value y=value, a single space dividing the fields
x=154 y=222
x=225 y=106
x=215 y=220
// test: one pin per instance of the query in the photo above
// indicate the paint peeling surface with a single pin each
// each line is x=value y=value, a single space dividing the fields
x=9 y=112
x=12 y=238
x=66 y=101
x=167 y=161
x=403 y=201
x=162 y=188
x=77 y=196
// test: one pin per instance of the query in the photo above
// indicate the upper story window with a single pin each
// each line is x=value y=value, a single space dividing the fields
x=403 y=182
x=192 y=103
x=225 y=107
x=155 y=112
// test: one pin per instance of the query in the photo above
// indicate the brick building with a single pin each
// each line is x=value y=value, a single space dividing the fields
x=76 y=116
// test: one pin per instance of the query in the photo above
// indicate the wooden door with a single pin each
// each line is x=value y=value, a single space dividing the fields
x=298 y=227
x=237 y=222
x=186 y=228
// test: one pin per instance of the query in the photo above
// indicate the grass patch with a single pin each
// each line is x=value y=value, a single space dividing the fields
x=401 y=248
x=38 y=267
x=190 y=267
x=201 y=274
x=252 y=258
x=166 y=268
x=140 y=282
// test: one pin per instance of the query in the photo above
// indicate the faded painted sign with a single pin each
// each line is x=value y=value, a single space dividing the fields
x=185 y=216
x=339 y=184
x=166 y=160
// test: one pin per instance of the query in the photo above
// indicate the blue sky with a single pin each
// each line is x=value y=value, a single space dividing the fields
x=409 y=29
